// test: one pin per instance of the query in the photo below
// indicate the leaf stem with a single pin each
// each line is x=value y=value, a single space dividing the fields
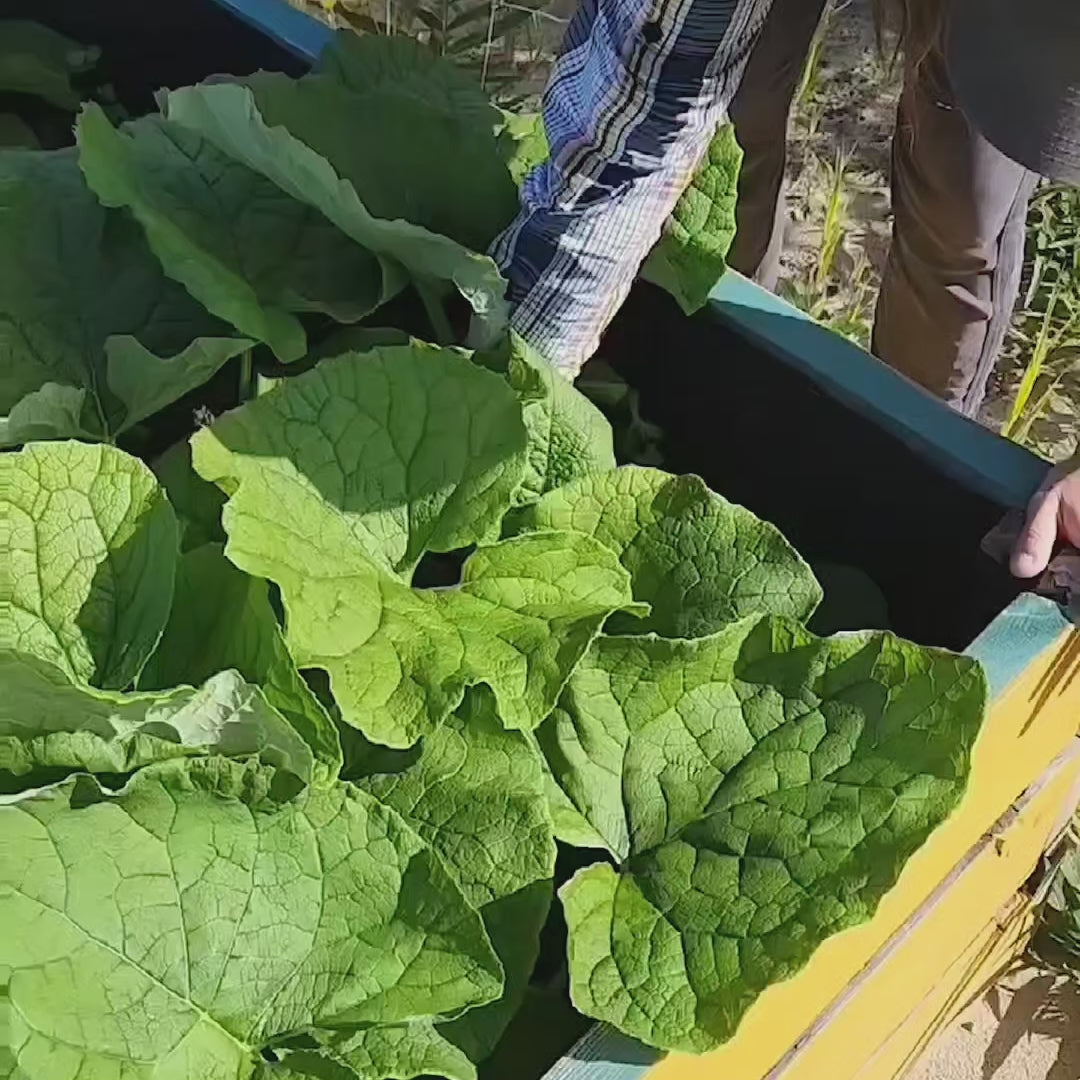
x=246 y=380
x=436 y=313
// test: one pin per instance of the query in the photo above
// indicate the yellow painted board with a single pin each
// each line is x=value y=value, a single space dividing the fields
x=921 y=959
x=1028 y=726
x=999 y=945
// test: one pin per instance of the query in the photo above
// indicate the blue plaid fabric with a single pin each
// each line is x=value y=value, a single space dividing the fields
x=633 y=100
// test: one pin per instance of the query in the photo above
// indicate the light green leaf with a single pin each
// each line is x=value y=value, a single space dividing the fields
x=52 y=411
x=350 y=472
x=178 y=927
x=71 y=277
x=396 y=666
x=386 y=1052
x=524 y=142
x=388 y=454
x=198 y=503
x=476 y=795
x=49 y=722
x=128 y=365
x=365 y=63
x=247 y=251
x=762 y=789
x=568 y=436
x=569 y=823
x=90 y=547
x=227 y=115
x=222 y=618
x=699 y=561
x=526 y=612
x=399 y=659
x=37 y=60
x=691 y=256
x=304 y=1065
x=404 y=1052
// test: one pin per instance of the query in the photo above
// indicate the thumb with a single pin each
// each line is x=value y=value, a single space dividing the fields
x=1035 y=544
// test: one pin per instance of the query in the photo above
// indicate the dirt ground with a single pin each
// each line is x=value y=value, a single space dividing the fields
x=846 y=112
x=1026 y=1028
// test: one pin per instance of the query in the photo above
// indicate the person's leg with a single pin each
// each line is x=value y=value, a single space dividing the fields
x=760 y=113
x=958 y=238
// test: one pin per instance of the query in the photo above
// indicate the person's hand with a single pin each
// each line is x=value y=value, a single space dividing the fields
x=1052 y=515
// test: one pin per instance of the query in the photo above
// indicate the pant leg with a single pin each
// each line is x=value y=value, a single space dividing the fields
x=760 y=113
x=953 y=271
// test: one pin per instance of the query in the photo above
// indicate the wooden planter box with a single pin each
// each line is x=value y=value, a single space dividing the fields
x=856 y=466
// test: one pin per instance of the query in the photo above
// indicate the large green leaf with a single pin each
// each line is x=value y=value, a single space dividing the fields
x=349 y=473
x=524 y=144
x=90 y=549
x=388 y=454
x=762 y=789
x=222 y=618
x=230 y=116
x=568 y=435
x=247 y=251
x=145 y=383
x=476 y=794
x=692 y=253
x=569 y=823
x=448 y=177
x=73 y=275
x=197 y=502
x=49 y=722
x=526 y=612
x=366 y=63
x=176 y=928
x=399 y=658
x=384 y=1052
x=35 y=59
x=699 y=561
x=52 y=411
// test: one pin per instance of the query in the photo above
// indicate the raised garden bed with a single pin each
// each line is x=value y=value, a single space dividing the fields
x=349 y=874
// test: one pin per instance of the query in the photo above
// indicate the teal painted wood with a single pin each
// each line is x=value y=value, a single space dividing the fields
x=961 y=448
x=295 y=30
x=1024 y=630
x=603 y=1053
x=1012 y=642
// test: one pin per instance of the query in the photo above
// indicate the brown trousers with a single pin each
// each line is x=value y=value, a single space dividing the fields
x=959 y=208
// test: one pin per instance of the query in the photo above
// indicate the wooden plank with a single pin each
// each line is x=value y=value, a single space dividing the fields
x=999 y=944
x=918 y=959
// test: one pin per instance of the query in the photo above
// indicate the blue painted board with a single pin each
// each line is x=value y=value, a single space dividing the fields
x=305 y=37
